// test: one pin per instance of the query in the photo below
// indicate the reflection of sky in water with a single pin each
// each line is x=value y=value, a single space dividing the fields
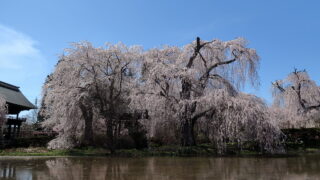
x=25 y=174
x=96 y=168
x=8 y=171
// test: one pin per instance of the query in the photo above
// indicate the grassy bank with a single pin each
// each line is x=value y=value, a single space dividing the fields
x=202 y=150
x=41 y=151
x=298 y=141
x=159 y=151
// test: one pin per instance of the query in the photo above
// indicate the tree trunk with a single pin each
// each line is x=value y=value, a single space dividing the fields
x=187 y=132
x=110 y=124
x=88 y=131
x=1 y=137
x=110 y=136
x=187 y=127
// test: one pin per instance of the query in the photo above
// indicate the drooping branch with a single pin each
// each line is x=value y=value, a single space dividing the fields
x=204 y=78
x=278 y=86
x=204 y=61
x=206 y=74
x=229 y=86
x=297 y=90
x=122 y=70
x=201 y=114
x=314 y=107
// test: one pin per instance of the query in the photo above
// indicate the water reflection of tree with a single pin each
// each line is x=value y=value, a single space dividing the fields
x=23 y=168
x=264 y=168
x=96 y=168
x=183 y=168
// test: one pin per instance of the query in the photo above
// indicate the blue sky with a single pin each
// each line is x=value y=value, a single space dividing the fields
x=34 y=33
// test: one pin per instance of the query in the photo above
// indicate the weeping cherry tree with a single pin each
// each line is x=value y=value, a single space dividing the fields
x=201 y=80
x=93 y=88
x=88 y=90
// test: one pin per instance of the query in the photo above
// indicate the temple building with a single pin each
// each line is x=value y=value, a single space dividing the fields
x=16 y=103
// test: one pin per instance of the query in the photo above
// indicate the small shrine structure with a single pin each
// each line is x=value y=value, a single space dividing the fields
x=16 y=102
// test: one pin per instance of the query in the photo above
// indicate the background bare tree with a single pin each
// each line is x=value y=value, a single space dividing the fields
x=297 y=100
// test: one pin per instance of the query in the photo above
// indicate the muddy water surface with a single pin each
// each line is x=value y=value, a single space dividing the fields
x=96 y=168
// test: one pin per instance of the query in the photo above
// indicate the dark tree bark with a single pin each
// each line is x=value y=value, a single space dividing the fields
x=111 y=142
x=88 y=119
x=187 y=127
x=111 y=123
x=1 y=137
x=187 y=117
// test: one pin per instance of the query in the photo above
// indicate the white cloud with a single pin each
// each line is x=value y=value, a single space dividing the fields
x=17 y=49
x=21 y=62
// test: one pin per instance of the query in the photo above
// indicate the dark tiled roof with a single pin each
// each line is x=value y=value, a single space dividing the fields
x=13 y=95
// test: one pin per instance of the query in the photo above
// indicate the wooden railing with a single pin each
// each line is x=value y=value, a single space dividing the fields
x=30 y=133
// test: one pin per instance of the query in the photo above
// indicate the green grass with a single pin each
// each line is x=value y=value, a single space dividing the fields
x=46 y=152
x=193 y=151
x=200 y=150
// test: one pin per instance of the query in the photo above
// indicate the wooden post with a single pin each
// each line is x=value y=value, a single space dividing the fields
x=14 y=131
x=18 y=130
x=9 y=131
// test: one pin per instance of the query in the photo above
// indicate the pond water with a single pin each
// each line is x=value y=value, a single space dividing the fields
x=96 y=168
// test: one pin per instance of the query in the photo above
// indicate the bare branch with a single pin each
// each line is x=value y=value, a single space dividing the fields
x=196 y=51
x=277 y=85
